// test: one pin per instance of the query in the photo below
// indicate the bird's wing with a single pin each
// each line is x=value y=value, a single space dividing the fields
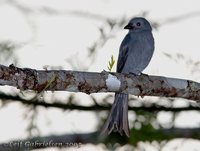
x=123 y=53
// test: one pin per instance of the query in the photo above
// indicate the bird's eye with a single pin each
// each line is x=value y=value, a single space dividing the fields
x=138 y=24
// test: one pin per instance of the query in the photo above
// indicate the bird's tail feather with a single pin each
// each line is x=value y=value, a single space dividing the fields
x=118 y=118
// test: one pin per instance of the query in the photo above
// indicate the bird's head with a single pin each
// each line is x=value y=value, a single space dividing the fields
x=138 y=24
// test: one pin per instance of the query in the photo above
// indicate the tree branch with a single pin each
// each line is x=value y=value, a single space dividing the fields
x=76 y=140
x=91 y=82
x=152 y=108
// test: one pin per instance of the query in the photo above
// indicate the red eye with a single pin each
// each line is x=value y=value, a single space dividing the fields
x=138 y=24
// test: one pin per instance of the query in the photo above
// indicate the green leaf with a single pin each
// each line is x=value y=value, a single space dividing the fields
x=111 y=63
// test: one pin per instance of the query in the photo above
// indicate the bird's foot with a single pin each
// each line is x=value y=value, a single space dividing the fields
x=144 y=74
x=136 y=73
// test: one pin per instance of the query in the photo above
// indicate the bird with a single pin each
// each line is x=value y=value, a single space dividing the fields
x=135 y=53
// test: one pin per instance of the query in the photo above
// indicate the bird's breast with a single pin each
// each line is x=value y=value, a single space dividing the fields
x=140 y=51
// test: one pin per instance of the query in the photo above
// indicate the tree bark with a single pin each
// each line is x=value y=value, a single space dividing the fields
x=92 y=82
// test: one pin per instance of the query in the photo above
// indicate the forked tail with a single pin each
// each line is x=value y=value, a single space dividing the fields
x=118 y=118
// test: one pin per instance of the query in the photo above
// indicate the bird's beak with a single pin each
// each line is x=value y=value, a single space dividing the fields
x=129 y=26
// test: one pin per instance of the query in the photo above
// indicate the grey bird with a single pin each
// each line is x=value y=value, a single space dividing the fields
x=136 y=51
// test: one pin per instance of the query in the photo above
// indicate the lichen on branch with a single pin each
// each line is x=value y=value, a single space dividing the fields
x=93 y=82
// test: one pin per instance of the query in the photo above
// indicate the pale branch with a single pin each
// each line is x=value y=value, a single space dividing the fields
x=92 y=82
x=77 y=140
x=56 y=104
